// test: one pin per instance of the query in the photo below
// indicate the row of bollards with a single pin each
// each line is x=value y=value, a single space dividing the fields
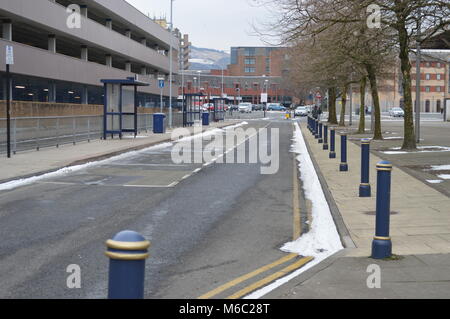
x=381 y=245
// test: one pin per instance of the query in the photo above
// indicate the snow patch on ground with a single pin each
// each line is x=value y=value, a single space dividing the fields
x=444 y=176
x=421 y=149
x=323 y=239
x=434 y=181
x=440 y=167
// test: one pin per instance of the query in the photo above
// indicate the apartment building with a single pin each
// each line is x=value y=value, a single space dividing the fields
x=63 y=48
x=258 y=61
x=434 y=84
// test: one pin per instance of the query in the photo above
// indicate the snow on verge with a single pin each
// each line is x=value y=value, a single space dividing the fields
x=322 y=240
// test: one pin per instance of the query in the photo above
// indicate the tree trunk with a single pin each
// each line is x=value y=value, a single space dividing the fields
x=344 y=103
x=376 y=101
x=409 y=141
x=332 y=102
x=362 y=107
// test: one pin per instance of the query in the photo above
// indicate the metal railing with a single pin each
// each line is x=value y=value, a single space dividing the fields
x=28 y=133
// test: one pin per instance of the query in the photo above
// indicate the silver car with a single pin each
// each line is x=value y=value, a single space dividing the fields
x=396 y=112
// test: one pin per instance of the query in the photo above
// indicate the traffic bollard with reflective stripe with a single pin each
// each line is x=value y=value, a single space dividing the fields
x=127 y=251
x=343 y=167
x=382 y=244
x=364 y=187
x=332 y=143
x=320 y=133
x=325 y=137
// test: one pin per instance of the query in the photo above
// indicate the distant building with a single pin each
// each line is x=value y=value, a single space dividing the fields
x=185 y=50
x=235 y=88
x=434 y=85
x=258 y=61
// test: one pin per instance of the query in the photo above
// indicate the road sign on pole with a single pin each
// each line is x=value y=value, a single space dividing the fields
x=264 y=97
x=161 y=84
x=9 y=55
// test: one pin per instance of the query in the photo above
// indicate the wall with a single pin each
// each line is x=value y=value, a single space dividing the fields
x=39 y=109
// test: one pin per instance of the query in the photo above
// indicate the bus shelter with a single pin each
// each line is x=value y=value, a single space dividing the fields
x=218 y=112
x=192 y=108
x=120 y=106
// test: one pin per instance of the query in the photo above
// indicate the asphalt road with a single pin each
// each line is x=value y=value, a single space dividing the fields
x=207 y=224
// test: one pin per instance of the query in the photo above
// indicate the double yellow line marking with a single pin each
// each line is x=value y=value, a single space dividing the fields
x=262 y=282
x=297 y=232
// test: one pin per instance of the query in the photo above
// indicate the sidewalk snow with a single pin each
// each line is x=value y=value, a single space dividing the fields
x=323 y=239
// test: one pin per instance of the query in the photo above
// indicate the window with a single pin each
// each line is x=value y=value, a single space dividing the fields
x=438 y=77
x=438 y=89
x=427 y=76
x=427 y=89
x=249 y=51
x=250 y=70
x=438 y=65
x=427 y=64
x=249 y=61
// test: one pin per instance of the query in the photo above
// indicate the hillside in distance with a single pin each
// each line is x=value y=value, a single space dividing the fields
x=208 y=59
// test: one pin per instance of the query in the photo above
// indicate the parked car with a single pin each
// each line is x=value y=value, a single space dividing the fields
x=275 y=107
x=245 y=107
x=396 y=112
x=301 y=111
x=259 y=107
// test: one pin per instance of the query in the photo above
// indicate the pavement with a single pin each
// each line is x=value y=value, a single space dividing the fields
x=420 y=230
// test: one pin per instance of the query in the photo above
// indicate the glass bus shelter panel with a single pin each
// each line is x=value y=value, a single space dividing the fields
x=219 y=110
x=113 y=112
x=128 y=110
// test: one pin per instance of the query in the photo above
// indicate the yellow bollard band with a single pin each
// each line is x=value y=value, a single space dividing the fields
x=120 y=256
x=382 y=238
x=120 y=245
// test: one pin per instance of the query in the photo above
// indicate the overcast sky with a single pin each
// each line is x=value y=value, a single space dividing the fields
x=215 y=24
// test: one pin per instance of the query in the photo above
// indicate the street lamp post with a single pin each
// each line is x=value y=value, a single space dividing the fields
x=170 y=64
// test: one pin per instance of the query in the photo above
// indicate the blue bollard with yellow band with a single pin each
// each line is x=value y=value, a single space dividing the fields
x=325 y=137
x=127 y=252
x=343 y=167
x=382 y=244
x=332 y=143
x=364 y=187
x=320 y=133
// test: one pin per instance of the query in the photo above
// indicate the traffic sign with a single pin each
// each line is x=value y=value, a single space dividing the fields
x=263 y=97
x=9 y=55
x=161 y=84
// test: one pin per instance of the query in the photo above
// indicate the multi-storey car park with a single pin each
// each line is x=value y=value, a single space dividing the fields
x=58 y=61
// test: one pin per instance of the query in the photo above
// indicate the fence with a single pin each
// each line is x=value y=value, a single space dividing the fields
x=28 y=133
